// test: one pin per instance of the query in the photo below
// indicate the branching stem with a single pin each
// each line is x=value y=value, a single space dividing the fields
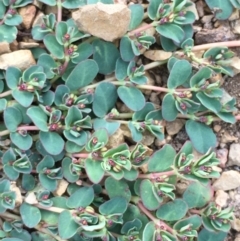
x=157 y=222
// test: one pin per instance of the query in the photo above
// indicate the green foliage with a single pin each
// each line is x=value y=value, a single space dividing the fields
x=64 y=115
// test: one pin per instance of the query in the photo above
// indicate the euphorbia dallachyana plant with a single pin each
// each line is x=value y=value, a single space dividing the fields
x=61 y=115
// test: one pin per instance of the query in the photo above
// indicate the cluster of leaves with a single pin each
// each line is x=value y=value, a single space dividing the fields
x=60 y=115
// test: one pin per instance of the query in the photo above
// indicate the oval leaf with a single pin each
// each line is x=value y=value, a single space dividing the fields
x=202 y=136
x=172 y=211
x=82 y=75
x=131 y=97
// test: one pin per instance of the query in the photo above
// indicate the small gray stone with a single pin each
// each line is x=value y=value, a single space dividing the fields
x=227 y=181
x=234 y=155
x=175 y=126
x=21 y=59
x=106 y=21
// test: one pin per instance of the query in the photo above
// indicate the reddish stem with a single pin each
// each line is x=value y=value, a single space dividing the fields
x=59 y=13
x=81 y=155
x=157 y=222
x=219 y=44
x=139 y=30
x=28 y=128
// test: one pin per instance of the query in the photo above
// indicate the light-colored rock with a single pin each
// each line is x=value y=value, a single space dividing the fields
x=38 y=19
x=227 y=181
x=222 y=155
x=150 y=81
x=234 y=15
x=207 y=18
x=21 y=59
x=182 y=186
x=25 y=45
x=217 y=128
x=199 y=6
x=4 y=48
x=126 y=131
x=236 y=26
x=157 y=55
x=234 y=154
x=221 y=198
x=37 y=4
x=236 y=224
x=51 y=9
x=154 y=98
x=31 y=198
x=175 y=126
x=228 y=138
x=61 y=188
x=19 y=199
x=28 y=14
x=116 y=139
x=237 y=238
x=148 y=138
x=106 y=21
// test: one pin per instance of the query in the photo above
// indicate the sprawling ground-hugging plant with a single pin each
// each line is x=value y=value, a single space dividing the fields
x=60 y=116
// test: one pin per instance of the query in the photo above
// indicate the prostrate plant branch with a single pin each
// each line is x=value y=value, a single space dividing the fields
x=162 y=225
x=59 y=12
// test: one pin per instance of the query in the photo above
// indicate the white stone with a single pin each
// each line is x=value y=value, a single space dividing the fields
x=227 y=181
x=61 y=188
x=106 y=21
x=234 y=155
x=221 y=198
x=21 y=59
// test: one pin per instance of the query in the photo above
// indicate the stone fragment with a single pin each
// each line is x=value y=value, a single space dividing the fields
x=234 y=15
x=227 y=137
x=236 y=224
x=31 y=198
x=182 y=186
x=207 y=18
x=148 y=138
x=234 y=154
x=227 y=181
x=38 y=19
x=217 y=128
x=19 y=199
x=175 y=126
x=221 y=198
x=221 y=34
x=157 y=55
x=21 y=59
x=126 y=131
x=116 y=139
x=51 y=9
x=106 y=21
x=28 y=14
x=4 y=48
x=199 y=6
x=25 y=45
x=61 y=188
x=237 y=237
x=222 y=155
x=37 y=4
x=150 y=81
x=236 y=26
